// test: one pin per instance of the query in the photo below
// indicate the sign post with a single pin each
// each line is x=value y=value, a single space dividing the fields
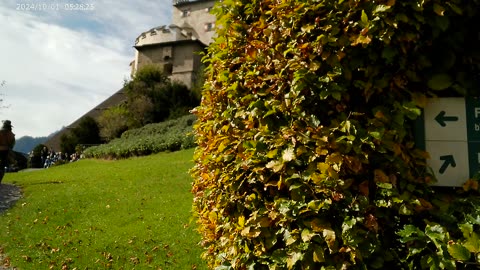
x=451 y=135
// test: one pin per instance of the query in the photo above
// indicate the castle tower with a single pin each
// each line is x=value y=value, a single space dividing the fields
x=197 y=15
x=175 y=47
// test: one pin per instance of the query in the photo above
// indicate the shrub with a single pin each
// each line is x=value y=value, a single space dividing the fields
x=306 y=156
x=170 y=135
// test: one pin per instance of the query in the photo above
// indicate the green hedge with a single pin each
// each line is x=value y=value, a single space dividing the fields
x=306 y=156
x=170 y=135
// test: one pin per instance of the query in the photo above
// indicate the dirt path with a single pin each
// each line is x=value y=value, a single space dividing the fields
x=9 y=195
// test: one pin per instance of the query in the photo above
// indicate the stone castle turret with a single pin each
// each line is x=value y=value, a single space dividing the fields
x=175 y=47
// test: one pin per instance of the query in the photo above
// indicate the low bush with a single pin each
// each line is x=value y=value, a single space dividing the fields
x=170 y=135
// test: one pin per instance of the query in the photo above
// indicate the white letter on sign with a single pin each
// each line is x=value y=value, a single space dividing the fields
x=477 y=112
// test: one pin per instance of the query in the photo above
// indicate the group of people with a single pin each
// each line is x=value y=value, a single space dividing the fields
x=7 y=141
x=50 y=157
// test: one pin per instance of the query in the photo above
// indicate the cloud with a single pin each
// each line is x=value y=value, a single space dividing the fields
x=58 y=65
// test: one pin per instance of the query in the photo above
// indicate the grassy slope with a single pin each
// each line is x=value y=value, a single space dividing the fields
x=96 y=214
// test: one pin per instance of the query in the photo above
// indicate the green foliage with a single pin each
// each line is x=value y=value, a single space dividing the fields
x=170 y=135
x=198 y=83
x=113 y=122
x=306 y=157
x=97 y=214
x=87 y=132
x=173 y=101
x=35 y=159
x=149 y=76
x=450 y=240
x=153 y=98
x=18 y=161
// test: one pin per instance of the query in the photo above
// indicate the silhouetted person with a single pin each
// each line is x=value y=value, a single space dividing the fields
x=7 y=141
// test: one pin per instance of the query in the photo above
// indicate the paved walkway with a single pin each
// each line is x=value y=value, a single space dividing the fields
x=9 y=195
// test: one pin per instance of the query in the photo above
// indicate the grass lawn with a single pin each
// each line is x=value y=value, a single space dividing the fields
x=98 y=214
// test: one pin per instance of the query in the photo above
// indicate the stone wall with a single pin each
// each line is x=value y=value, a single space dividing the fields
x=197 y=15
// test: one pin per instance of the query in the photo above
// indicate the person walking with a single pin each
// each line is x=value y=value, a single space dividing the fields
x=7 y=141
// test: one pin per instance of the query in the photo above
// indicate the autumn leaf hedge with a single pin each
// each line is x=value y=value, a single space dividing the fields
x=306 y=156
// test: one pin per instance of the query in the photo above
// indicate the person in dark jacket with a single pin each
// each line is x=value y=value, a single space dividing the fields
x=7 y=141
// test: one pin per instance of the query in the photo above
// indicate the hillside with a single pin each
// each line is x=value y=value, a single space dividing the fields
x=26 y=144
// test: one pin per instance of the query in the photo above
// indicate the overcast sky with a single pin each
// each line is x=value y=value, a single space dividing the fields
x=58 y=64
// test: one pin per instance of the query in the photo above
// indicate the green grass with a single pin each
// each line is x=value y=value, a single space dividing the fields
x=97 y=214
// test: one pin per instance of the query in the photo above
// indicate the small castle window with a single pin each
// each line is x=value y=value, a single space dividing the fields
x=209 y=27
x=185 y=13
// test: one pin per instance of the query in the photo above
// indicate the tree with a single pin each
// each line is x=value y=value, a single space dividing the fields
x=306 y=156
x=86 y=133
x=68 y=143
x=172 y=101
x=144 y=86
x=153 y=98
x=141 y=111
x=113 y=122
x=35 y=159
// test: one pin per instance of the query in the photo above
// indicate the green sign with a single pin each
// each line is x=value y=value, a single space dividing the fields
x=450 y=132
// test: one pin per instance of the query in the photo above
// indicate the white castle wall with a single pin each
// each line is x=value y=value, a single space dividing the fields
x=197 y=15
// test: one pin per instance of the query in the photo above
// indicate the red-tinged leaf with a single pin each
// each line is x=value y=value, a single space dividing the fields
x=470 y=184
x=353 y=164
x=380 y=176
x=364 y=188
x=371 y=223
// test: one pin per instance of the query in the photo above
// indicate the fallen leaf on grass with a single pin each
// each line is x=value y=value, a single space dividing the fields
x=27 y=258
x=135 y=260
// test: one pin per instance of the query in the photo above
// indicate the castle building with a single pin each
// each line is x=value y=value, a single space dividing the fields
x=176 y=48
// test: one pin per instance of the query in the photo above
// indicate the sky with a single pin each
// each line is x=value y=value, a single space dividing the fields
x=56 y=63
